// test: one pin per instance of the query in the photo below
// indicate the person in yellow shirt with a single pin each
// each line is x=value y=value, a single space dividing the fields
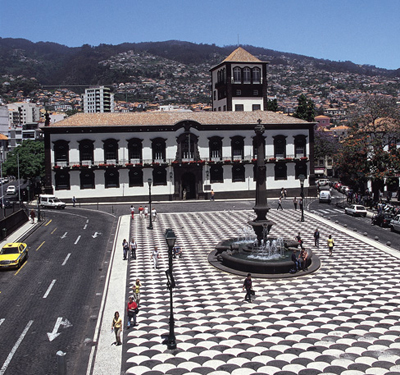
x=117 y=328
x=330 y=244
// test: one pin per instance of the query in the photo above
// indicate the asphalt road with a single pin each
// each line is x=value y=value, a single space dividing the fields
x=361 y=225
x=51 y=304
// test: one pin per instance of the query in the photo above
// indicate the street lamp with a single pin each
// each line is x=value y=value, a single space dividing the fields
x=150 y=181
x=302 y=178
x=170 y=239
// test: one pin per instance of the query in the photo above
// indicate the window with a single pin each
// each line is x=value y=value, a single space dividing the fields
x=86 y=152
x=256 y=75
x=300 y=168
x=256 y=107
x=111 y=151
x=136 y=177
x=280 y=146
x=237 y=146
x=87 y=180
x=280 y=171
x=246 y=75
x=188 y=146
x=111 y=177
x=255 y=92
x=135 y=151
x=238 y=173
x=239 y=107
x=62 y=180
x=158 y=148
x=238 y=92
x=215 y=95
x=300 y=146
x=61 y=150
x=215 y=147
x=237 y=75
x=329 y=162
x=216 y=174
x=159 y=176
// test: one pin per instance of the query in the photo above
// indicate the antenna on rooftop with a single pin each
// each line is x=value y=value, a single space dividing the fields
x=238 y=41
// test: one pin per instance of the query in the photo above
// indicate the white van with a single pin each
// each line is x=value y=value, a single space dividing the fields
x=50 y=201
x=325 y=196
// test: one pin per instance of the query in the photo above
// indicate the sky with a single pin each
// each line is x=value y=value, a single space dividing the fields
x=361 y=31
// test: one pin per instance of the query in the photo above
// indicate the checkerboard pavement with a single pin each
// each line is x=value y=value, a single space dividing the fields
x=342 y=319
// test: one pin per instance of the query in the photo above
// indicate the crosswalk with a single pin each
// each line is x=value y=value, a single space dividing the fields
x=328 y=211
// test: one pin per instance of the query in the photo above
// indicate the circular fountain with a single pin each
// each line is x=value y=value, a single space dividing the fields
x=256 y=251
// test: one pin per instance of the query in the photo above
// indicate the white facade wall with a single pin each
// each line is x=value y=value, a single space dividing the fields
x=203 y=146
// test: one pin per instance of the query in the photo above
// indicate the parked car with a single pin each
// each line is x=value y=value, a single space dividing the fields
x=12 y=255
x=7 y=203
x=323 y=181
x=356 y=210
x=395 y=224
x=11 y=190
x=383 y=219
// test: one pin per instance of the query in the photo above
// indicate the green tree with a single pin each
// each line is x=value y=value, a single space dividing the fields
x=272 y=105
x=325 y=144
x=31 y=160
x=370 y=150
x=305 y=109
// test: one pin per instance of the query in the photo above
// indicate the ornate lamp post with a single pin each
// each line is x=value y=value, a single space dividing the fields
x=150 y=181
x=302 y=178
x=170 y=239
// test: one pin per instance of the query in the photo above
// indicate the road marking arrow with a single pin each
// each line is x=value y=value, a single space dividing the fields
x=59 y=322
x=64 y=235
x=96 y=234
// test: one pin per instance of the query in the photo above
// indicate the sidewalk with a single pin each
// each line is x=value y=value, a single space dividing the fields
x=105 y=358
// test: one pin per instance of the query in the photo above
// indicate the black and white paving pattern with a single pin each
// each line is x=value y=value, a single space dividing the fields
x=342 y=319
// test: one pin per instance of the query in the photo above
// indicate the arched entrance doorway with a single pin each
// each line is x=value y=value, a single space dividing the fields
x=188 y=186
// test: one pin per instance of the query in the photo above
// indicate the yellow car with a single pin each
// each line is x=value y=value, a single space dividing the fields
x=13 y=255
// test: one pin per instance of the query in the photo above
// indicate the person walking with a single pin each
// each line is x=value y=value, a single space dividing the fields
x=331 y=243
x=141 y=212
x=301 y=204
x=212 y=195
x=248 y=285
x=125 y=248
x=73 y=201
x=132 y=310
x=279 y=204
x=155 y=257
x=316 y=238
x=32 y=215
x=136 y=291
x=117 y=328
x=133 y=247
x=295 y=203
x=132 y=211
x=153 y=214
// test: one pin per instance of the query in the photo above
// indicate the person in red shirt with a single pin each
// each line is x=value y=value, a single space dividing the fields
x=132 y=309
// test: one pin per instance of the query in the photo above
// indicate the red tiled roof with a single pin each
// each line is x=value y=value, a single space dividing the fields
x=172 y=118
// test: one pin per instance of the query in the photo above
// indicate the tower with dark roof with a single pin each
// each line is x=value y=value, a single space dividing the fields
x=239 y=83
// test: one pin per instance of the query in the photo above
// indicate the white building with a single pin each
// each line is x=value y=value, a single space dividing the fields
x=112 y=156
x=23 y=113
x=98 y=100
x=4 y=121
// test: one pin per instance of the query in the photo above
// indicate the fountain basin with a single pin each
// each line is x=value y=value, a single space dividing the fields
x=236 y=254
